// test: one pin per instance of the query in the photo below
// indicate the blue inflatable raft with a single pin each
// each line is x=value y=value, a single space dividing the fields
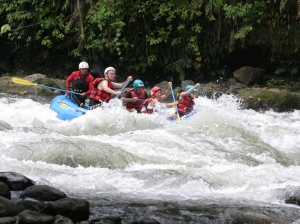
x=66 y=109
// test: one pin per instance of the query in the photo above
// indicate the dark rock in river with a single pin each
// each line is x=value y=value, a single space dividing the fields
x=75 y=209
x=43 y=193
x=4 y=191
x=15 y=181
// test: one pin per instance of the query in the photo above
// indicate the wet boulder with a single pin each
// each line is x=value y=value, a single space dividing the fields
x=185 y=83
x=75 y=209
x=107 y=219
x=292 y=197
x=15 y=181
x=43 y=193
x=249 y=75
x=266 y=99
x=28 y=216
x=29 y=204
x=4 y=191
x=7 y=207
x=59 y=219
x=8 y=220
x=254 y=217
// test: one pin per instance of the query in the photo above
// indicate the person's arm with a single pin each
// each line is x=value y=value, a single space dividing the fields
x=173 y=104
x=120 y=85
x=167 y=93
x=183 y=94
x=104 y=85
x=127 y=98
x=68 y=81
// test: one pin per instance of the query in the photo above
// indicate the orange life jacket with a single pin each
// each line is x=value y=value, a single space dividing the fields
x=186 y=105
x=101 y=95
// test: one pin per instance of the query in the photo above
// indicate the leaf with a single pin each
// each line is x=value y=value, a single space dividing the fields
x=5 y=28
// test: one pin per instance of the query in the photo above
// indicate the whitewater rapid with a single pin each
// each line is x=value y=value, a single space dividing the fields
x=223 y=154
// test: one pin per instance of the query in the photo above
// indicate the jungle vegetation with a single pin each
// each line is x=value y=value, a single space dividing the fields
x=180 y=37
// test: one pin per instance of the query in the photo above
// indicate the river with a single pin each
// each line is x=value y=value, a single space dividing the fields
x=223 y=163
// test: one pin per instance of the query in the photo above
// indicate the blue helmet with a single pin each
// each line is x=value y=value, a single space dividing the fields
x=188 y=87
x=138 y=83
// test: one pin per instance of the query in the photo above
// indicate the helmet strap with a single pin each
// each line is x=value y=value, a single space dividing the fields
x=108 y=78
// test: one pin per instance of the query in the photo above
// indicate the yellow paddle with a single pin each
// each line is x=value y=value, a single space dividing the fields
x=28 y=83
x=175 y=102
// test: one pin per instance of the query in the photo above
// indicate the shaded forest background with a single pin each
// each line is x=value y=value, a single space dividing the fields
x=201 y=40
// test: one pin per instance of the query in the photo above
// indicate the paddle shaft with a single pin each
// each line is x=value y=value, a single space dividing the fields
x=126 y=83
x=62 y=90
x=28 y=83
x=174 y=102
x=204 y=93
x=145 y=100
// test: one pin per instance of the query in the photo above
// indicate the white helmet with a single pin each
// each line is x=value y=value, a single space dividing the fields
x=83 y=65
x=109 y=68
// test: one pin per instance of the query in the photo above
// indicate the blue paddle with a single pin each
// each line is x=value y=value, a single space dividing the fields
x=204 y=93
x=126 y=83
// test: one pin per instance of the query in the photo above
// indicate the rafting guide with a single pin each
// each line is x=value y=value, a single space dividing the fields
x=82 y=82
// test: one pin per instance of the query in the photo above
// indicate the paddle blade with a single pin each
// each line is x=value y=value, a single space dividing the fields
x=23 y=82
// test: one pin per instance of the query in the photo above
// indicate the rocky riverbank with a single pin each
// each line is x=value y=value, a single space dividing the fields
x=44 y=204
x=243 y=85
x=22 y=201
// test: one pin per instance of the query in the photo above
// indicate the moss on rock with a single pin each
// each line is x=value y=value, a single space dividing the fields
x=278 y=100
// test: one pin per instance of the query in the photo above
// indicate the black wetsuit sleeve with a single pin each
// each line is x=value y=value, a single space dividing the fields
x=127 y=95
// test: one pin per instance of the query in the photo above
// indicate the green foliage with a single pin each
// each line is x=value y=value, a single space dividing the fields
x=275 y=82
x=147 y=35
x=288 y=70
x=162 y=35
x=36 y=23
x=248 y=11
x=246 y=14
x=5 y=28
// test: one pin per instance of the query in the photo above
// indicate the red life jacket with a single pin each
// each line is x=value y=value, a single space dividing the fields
x=186 y=105
x=100 y=95
x=138 y=105
x=147 y=111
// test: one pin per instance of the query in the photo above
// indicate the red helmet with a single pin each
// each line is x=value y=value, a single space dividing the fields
x=154 y=90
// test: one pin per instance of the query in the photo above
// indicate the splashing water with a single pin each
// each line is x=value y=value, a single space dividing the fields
x=223 y=157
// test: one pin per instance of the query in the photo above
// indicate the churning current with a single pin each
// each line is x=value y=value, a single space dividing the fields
x=222 y=162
